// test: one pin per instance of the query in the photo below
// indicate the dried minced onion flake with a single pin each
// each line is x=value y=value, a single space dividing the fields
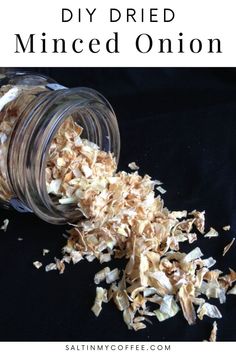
x=208 y=310
x=90 y=257
x=133 y=166
x=149 y=291
x=213 y=334
x=101 y=275
x=54 y=186
x=60 y=265
x=100 y=295
x=9 y=96
x=69 y=200
x=211 y=233
x=156 y=182
x=121 y=300
x=112 y=275
x=199 y=220
x=161 y=190
x=138 y=326
x=86 y=171
x=5 y=225
x=185 y=296
x=37 y=264
x=45 y=251
x=50 y=266
x=194 y=254
x=227 y=247
x=226 y=227
x=105 y=257
x=75 y=256
x=209 y=262
x=168 y=308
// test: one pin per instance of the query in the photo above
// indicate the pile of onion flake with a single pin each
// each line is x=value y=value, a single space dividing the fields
x=124 y=217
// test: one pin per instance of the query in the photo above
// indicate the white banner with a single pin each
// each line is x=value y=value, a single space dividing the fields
x=116 y=33
x=115 y=347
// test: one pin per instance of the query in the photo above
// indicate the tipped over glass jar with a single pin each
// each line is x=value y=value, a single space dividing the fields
x=33 y=109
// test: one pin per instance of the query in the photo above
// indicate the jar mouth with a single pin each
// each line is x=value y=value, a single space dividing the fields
x=94 y=114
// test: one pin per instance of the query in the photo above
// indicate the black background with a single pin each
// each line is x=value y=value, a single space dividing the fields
x=179 y=125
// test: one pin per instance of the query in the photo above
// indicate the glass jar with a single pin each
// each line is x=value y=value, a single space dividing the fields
x=32 y=108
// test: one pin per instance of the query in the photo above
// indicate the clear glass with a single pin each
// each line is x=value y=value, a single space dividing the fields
x=32 y=108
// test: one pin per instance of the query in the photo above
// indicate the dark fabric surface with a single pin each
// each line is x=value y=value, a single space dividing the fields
x=179 y=125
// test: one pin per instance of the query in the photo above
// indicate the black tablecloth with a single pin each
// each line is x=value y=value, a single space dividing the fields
x=179 y=125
